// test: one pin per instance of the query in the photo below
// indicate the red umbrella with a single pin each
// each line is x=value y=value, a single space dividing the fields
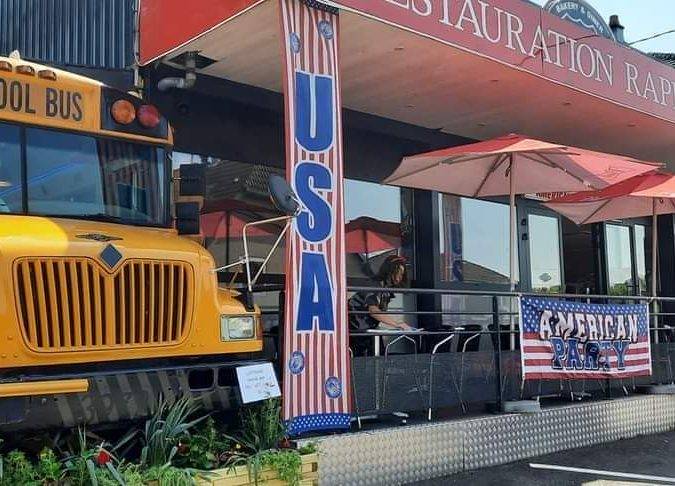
x=644 y=195
x=514 y=164
x=370 y=235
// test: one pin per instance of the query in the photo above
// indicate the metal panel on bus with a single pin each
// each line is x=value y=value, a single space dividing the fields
x=87 y=33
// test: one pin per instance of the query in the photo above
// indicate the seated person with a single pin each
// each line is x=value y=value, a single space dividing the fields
x=392 y=274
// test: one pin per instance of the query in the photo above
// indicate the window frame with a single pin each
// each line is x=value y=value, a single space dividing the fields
x=530 y=207
x=471 y=286
x=630 y=224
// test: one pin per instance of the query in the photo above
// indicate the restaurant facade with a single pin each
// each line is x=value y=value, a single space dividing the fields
x=417 y=76
x=414 y=76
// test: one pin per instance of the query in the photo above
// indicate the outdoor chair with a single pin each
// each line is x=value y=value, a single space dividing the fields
x=487 y=369
x=400 y=345
x=453 y=379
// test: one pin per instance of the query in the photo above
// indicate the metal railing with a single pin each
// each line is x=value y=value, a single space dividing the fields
x=451 y=368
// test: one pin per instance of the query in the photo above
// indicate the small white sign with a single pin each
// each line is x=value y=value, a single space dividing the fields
x=257 y=382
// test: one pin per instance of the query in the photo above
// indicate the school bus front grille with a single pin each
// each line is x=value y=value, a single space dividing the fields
x=67 y=304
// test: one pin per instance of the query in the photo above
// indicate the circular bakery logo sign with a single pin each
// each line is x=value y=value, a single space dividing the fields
x=333 y=387
x=326 y=29
x=295 y=42
x=582 y=14
x=297 y=362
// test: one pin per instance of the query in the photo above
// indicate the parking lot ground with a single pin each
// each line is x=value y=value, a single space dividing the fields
x=650 y=456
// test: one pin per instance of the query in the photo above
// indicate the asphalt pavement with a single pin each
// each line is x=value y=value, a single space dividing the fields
x=648 y=455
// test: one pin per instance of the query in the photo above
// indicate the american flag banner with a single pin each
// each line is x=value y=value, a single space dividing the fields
x=562 y=339
x=316 y=390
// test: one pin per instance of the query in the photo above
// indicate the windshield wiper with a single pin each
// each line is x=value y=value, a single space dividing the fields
x=93 y=217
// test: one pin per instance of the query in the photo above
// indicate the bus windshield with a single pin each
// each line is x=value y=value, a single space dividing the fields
x=82 y=177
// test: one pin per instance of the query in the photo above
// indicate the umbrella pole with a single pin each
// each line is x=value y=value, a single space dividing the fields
x=512 y=247
x=655 y=249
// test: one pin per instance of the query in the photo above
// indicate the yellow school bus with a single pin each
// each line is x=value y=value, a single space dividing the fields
x=104 y=305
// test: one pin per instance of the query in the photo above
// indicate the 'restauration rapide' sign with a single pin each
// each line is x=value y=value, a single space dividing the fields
x=525 y=37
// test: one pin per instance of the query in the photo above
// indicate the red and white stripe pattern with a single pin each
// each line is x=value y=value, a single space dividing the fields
x=537 y=352
x=307 y=406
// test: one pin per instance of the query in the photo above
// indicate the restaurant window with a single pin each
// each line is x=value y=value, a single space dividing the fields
x=378 y=223
x=642 y=237
x=474 y=240
x=544 y=252
x=619 y=260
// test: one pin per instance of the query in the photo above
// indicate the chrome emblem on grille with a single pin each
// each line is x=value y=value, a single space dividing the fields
x=110 y=256
x=98 y=237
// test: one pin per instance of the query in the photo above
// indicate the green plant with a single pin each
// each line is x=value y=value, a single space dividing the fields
x=262 y=427
x=204 y=448
x=49 y=467
x=308 y=448
x=17 y=469
x=168 y=475
x=287 y=463
x=92 y=466
x=165 y=428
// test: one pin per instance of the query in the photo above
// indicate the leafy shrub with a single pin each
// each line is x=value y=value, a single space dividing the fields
x=262 y=427
x=168 y=475
x=49 y=468
x=204 y=449
x=17 y=469
x=165 y=428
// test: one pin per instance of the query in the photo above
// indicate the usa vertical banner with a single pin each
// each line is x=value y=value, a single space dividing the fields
x=316 y=363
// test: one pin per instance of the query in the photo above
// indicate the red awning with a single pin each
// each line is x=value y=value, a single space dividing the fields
x=453 y=73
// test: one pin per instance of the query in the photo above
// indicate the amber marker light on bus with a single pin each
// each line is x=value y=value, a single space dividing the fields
x=47 y=74
x=23 y=69
x=123 y=112
x=148 y=116
x=5 y=66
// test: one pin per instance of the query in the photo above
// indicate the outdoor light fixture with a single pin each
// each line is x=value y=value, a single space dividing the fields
x=5 y=66
x=123 y=112
x=148 y=116
x=24 y=69
x=47 y=74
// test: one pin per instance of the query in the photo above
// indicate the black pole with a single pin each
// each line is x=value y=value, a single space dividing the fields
x=497 y=341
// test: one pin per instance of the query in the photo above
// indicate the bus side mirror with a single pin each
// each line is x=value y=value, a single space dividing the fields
x=192 y=180
x=187 y=218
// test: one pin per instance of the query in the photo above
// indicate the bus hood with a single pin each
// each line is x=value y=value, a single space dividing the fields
x=44 y=236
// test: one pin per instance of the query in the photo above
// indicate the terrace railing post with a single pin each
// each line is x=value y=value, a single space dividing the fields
x=280 y=327
x=497 y=341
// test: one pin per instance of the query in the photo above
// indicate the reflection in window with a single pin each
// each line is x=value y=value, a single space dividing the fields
x=236 y=194
x=10 y=170
x=544 y=244
x=642 y=245
x=378 y=222
x=474 y=240
x=619 y=260
x=78 y=175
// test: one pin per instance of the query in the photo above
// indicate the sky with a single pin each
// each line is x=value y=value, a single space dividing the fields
x=641 y=18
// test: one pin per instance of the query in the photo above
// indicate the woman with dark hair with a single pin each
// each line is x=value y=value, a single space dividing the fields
x=392 y=274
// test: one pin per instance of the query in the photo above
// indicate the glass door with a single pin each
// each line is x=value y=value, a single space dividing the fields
x=620 y=260
x=544 y=253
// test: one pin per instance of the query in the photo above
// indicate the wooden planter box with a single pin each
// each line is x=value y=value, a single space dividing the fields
x=239 y=476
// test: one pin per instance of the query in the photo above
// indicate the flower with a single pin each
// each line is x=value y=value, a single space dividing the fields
x=102 y=457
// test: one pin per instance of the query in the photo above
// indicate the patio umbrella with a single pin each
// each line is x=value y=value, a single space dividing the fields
x=229 y=224
x=511 y=165
x=369 y=235
x=649 y=194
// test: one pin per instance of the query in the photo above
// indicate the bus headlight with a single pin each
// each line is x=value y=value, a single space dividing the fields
x=237 y=327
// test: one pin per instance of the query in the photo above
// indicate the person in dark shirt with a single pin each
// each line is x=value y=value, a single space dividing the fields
x=392 y=274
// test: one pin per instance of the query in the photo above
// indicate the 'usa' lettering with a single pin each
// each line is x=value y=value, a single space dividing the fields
x=315 y=303
x=315 y=221
x=314 y=115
